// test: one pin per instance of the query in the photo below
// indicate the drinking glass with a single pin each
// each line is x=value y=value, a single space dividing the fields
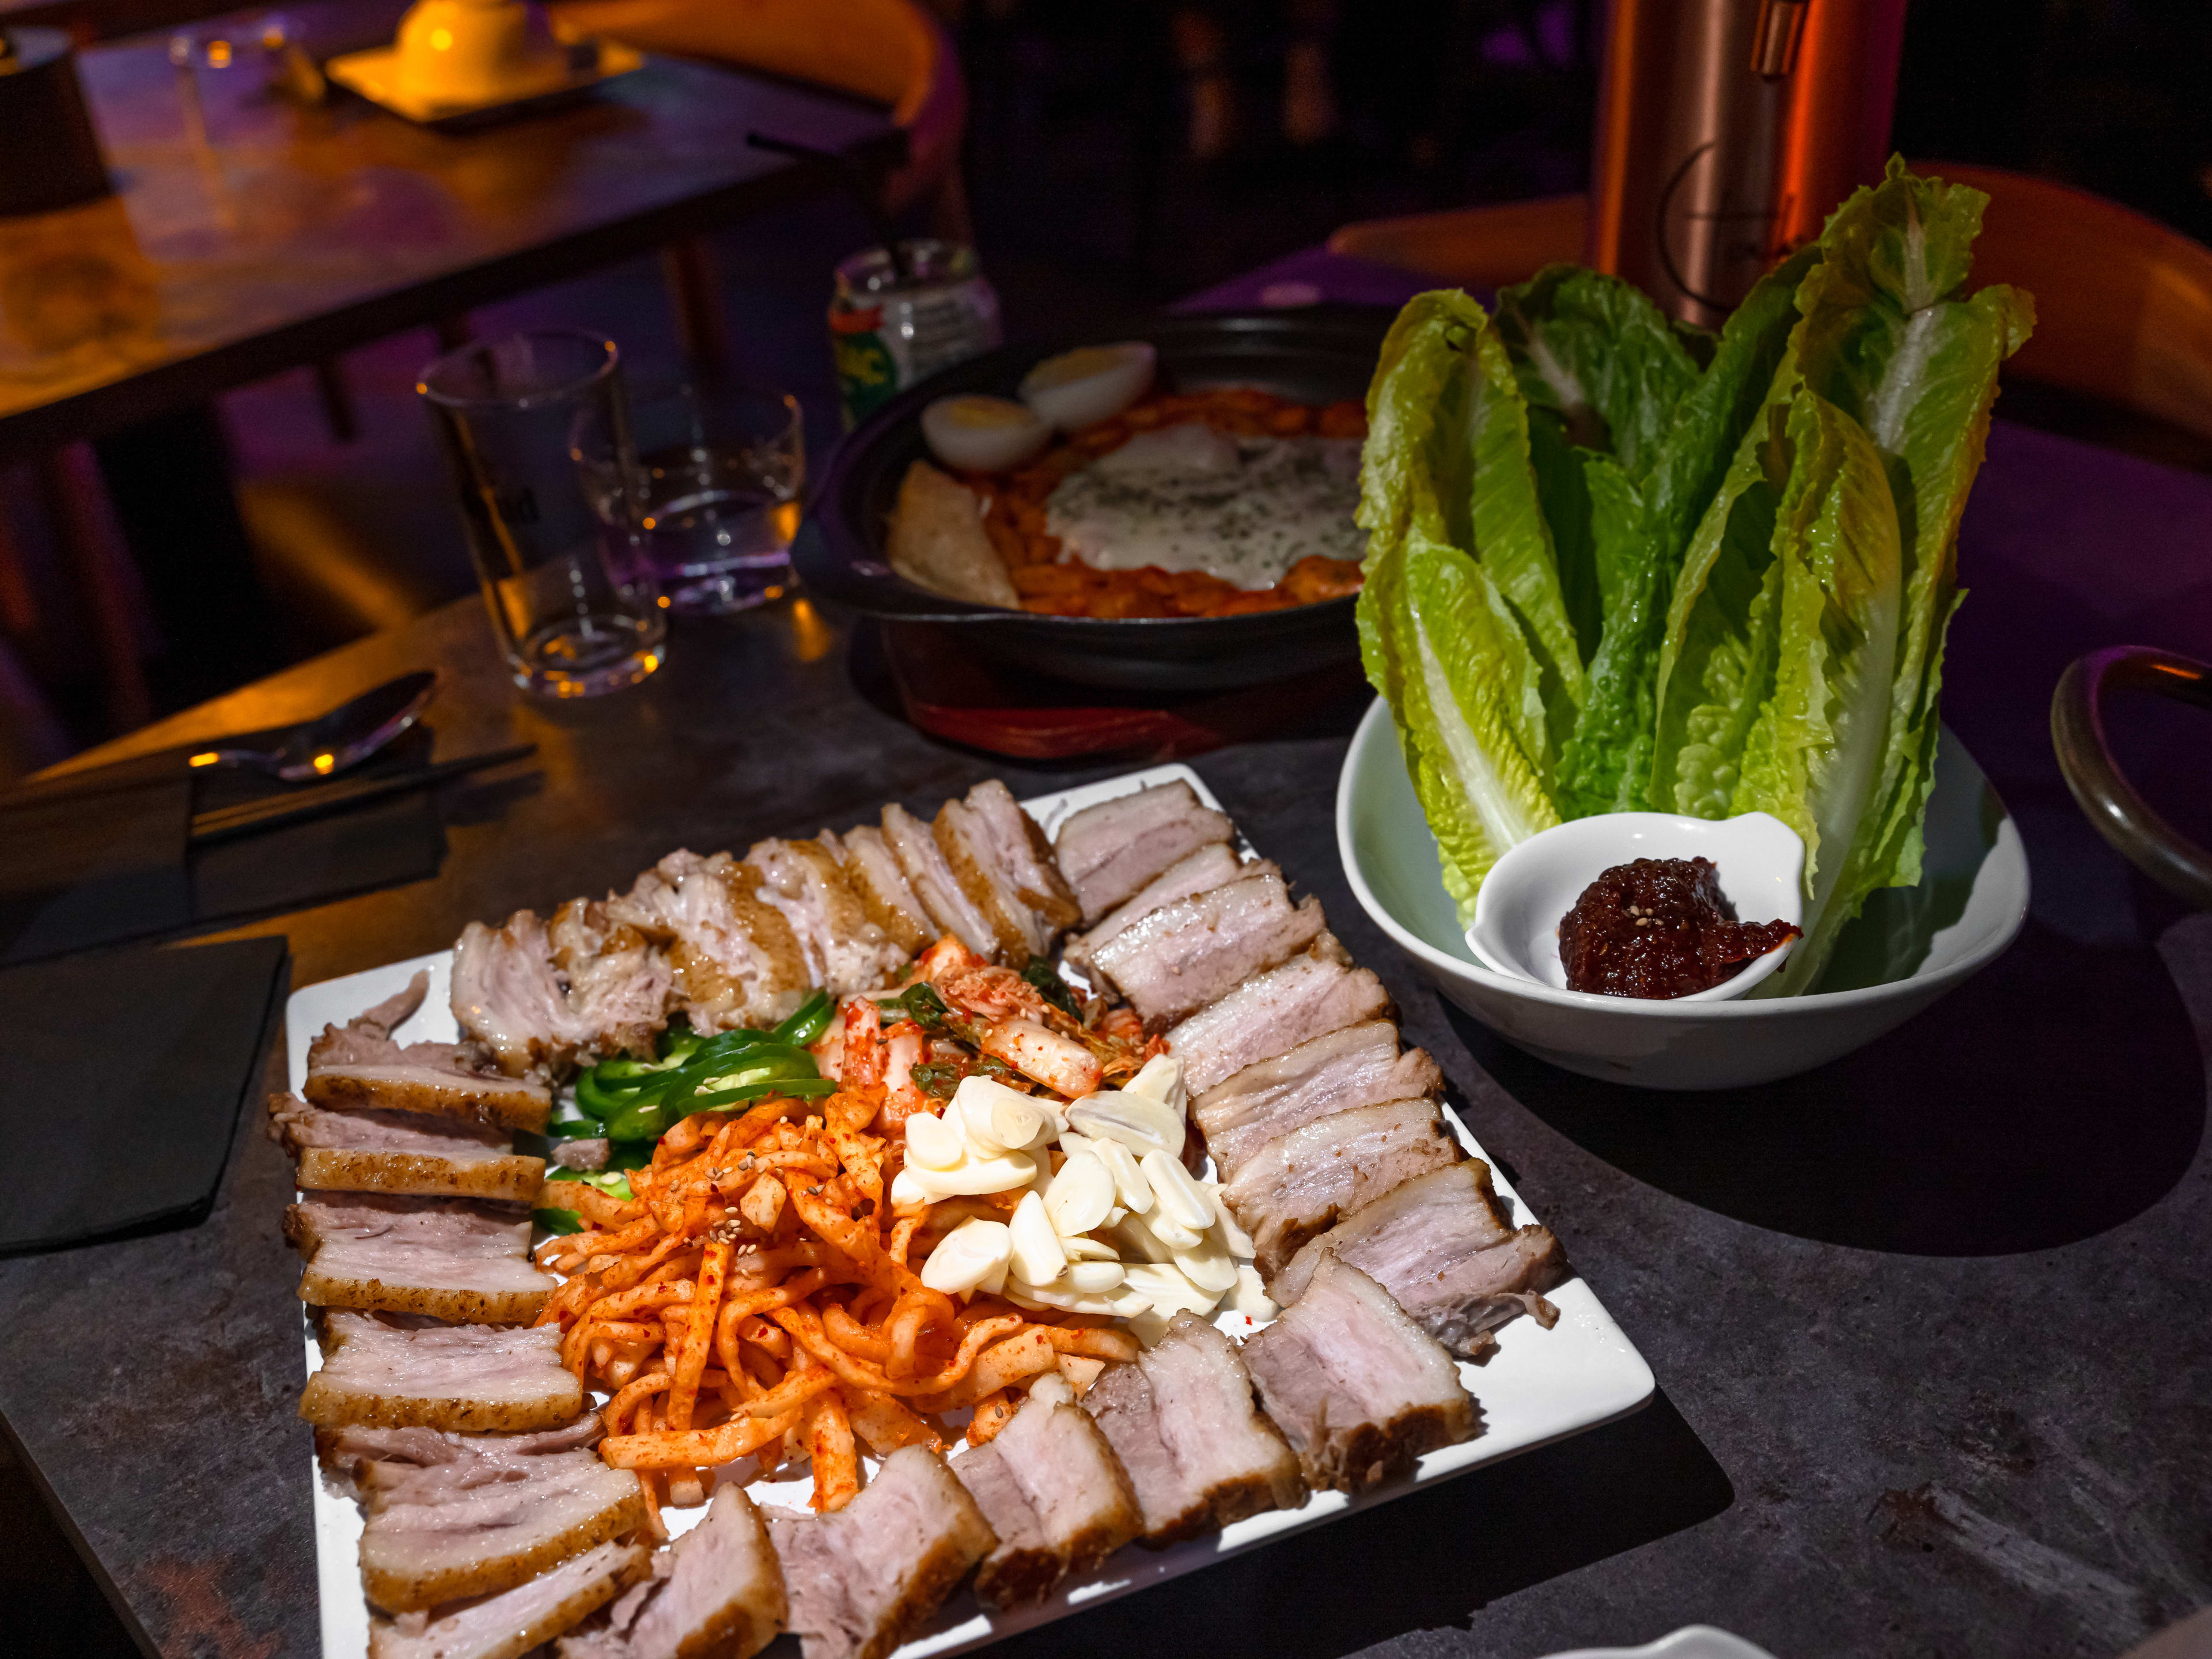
x=713 y=497
x=574 y=604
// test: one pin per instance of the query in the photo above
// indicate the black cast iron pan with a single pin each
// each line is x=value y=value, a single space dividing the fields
x=1317 y=356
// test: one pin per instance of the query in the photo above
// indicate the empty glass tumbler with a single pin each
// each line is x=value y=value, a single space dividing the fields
x=572 y=597
x=713 y=497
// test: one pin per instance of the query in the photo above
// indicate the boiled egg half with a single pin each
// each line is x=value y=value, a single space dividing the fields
x=976 y=434
x=1089 y=385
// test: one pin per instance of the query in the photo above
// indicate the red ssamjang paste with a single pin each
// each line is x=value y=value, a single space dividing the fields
x=1659 y=928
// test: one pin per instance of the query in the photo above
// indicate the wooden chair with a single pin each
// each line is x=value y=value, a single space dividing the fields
x=2123 y=305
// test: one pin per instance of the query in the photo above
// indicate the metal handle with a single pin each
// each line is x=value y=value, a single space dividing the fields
x=2122 y=816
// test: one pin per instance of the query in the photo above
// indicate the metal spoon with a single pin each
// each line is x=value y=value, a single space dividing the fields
x=329 y=744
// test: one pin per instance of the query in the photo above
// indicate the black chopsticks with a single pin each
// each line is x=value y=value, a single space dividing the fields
x=272 y=812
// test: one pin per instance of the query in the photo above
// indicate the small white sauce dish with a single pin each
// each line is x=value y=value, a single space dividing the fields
x=1759 y=859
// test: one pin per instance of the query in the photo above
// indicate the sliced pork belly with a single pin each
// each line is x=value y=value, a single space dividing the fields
x=1107 y=852
x=619 y=982
x=360 y=1065
x=1439 y=1244
x=860 y=1579
x=873 y=871
x=1357 y=1065
x=921 y=861
x=736 y=961
x=715 y=1591
x=474 y=1379
x=1052 y=1489
x=1196 y=1451
x=1307 y=997
x=1294 y=1188
x=401 y=1153
x=1209 y=867
x=1198 y=950
x=512 y=1623
x=452 y=1259
x=1025 y=855
x=845 y=952
x=456 y=1515
x=966 y=842
x=1360 y=1388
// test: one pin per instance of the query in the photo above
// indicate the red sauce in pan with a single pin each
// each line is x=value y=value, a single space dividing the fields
x=1660 y=928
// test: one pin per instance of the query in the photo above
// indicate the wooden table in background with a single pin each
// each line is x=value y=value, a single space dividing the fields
x=251 y=235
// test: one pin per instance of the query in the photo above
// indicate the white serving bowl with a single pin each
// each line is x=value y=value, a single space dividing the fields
x=1908 y=948
x=1759 y=861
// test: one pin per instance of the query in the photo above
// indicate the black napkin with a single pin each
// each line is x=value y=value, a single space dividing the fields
x=94 y=859
x=127 y=1069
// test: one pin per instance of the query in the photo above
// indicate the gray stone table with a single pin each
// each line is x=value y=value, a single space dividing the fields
x=1931 y=1327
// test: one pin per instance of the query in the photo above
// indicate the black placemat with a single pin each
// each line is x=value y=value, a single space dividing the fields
x=127 y=1072
x=96 y=858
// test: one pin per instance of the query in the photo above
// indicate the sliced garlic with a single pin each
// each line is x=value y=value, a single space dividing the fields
x=996 y=1119
x=1225 y=1228
x=1137 y=1121
x=1081 y=1247
x=1168 y=1290
x=1079 y=1195
x=1037 y=1257
x=1149 y=1327
x=974 y=1176
x=1065 y=1298
x=968 y=1257
x=1137 y=1242
x=1172 y=1235
x=1251 y=1297
x=1209 y=1267
x=1129 y=1183
x=1161 y=1078
x=932 y=1143
x=1181 y=1197
x=1095 y=1278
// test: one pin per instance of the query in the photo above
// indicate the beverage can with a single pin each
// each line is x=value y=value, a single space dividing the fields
x=886 y=332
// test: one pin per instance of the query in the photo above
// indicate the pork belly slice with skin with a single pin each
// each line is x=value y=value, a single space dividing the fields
x=476 y=1379
x=845 y=952
x=1107 y=852
x=1195 y=1449
x=966 y=841
x=360 y=1066
x=736 y=960
x=1198 y=950
x=455 y=1514
x=1295 y=1188
x=1209 y=867
x=873 y=871
x=401 y=1153
x=1360 y=1389
x=1309 y=996
x=619 y=982
x=448 y=1258
x=1052 y=1489
x=1024 y=856
x=1441 y=1244
x=861 y=1578
x=921 y=861
x=715 y=1593
x=1357 y=1065
x=513 y=1622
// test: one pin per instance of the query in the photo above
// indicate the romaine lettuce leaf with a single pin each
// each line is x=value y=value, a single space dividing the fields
x=1469 y=677
x=1593 y=353
x=1813 y=756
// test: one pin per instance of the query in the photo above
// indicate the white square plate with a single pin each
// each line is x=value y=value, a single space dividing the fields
x=1539 y=1386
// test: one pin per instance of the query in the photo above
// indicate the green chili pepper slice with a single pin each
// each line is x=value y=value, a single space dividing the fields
x=558 y=1221
x=1050 y=985
x=812 y=1019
